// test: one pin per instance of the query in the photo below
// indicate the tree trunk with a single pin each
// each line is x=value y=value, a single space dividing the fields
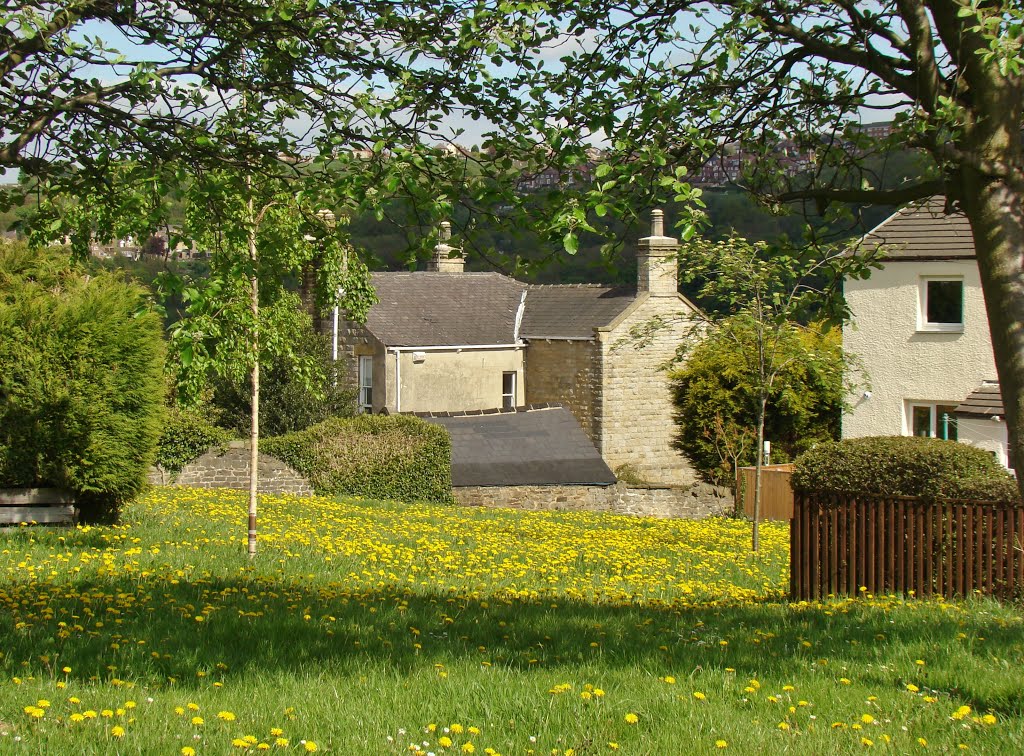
x=996 y=213
x=254 y=428
x=758 y=464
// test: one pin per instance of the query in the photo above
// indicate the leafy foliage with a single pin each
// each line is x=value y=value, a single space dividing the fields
x=381 y=457
x=716 y=397
x=289 y=402
x=81 y=382
x=187 y=434
x=904 y=466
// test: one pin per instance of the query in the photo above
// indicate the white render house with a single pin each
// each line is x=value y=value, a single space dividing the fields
x=920 y=332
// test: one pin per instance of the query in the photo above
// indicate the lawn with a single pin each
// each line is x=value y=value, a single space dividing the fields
x=368 y=628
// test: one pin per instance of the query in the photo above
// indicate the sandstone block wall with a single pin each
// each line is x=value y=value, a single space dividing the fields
x=636 y=421
x=566 y=372
x=687 y=502
x=230 y=469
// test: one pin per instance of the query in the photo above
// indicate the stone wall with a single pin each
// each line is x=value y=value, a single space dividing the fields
x=562 y=371
x=230 y=469
x=687 y=502
x=636 y=420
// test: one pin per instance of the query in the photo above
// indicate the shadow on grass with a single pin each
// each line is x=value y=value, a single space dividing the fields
x=148 y=631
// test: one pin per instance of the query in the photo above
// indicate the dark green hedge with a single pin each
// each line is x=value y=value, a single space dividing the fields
x=380 y=457
x=186 y=436
x=81 y=383
x=904 y=466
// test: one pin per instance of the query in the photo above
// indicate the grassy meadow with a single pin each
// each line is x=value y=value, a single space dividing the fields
x=369 y=628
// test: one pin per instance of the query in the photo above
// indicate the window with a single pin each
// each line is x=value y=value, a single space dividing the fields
x=366 y=384
x=932 y=420
x=941 y=306
x=508 y=390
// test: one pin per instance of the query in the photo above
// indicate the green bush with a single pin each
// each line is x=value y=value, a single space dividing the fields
x=186 y=436
x=396 y=457
x=904 y=466
x=289 y=401
x=81 y=384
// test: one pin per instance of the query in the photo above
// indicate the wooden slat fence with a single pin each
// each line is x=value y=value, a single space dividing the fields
x=776 y=492
x=44 y=506
x=839 y=545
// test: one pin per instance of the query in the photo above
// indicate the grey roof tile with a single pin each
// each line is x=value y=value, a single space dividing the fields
x=572 y=311
x=922 y=230
x=528 y=447
x=444 y=309
x=984 y=401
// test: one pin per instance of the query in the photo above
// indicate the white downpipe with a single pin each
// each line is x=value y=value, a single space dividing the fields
x=334 y=341
x=398 y=379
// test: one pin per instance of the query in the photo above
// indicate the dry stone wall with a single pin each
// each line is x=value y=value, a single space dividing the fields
x=230 y=469
x=684 y=502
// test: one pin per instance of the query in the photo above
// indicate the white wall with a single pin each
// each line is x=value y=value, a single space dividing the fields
x=903 y=363
x=986 y=434
x=450 y=381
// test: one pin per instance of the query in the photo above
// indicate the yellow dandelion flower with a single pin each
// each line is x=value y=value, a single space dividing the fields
x=867 y=718
x=227 y=716
x=989 y=719
x=922 y=742
x=669 y=679
x=456 y=728
x=197 y=721
x=912 y=688
x=117 y=731
x=444 y=741
x=632 y=718
x=188 y=751
x=310 y=746
x=721 y=744
x=276 y=732
x=468 y=748
x=699 y=696
x=281 y=742
x=868 y=742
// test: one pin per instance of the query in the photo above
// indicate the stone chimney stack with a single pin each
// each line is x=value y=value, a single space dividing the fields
x=442 y=262
x=657 y=268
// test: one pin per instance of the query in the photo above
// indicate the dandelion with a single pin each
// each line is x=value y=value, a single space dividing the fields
x=188 y=751
x=117 y=731
x=444 y=741
x=721 y=744
x=867 y=718
x=226 y=716
x=632 y=718
x=310 y=746
x=699 y=696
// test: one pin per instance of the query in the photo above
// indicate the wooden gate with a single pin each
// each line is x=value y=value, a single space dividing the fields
x=776 y=492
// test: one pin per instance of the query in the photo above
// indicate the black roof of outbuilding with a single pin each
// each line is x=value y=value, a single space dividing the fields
x=572 y=311
x=922 y=231
x=445 y=309
x=984 y=401
x=544 y=446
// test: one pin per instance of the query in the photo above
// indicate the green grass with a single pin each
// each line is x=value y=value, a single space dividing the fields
x=361 y=625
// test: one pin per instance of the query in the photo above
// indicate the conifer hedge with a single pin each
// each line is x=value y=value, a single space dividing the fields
x=81 y=385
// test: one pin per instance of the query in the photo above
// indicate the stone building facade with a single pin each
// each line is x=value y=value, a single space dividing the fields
x=444 y=340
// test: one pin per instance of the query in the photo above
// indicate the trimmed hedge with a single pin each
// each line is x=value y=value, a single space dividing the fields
x=187 y=435
x=380 y=457
x=904 y=466
x=81 y=380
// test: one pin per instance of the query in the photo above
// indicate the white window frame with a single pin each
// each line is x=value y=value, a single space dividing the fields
x=508 y=401
x=923 y=324
x=933 y=420
x=366 y=384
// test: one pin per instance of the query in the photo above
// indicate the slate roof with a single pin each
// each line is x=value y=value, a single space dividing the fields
x=527 y=447
x=444 y=309
x=984 y=401
x=922 y=231
x=572 y=311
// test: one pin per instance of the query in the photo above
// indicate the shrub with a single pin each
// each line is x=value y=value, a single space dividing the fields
x=186 y=436
x=289 y=399
x=380 y=457
x=904 y=466
x=716 y=397
x=81 y=385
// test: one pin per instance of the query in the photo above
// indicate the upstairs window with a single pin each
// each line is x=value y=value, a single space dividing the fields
x=508 y=390
x=941 y=306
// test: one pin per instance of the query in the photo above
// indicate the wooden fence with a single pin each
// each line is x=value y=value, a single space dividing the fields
x=776 y=493
x=51 y=506
x=841 y=545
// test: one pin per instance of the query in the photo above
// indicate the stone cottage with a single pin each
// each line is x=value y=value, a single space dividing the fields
x=444 y=340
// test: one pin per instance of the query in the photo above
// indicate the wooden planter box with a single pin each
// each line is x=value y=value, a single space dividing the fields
x=44 y=506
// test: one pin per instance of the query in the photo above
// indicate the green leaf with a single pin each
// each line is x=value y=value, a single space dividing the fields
x=571 y=243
